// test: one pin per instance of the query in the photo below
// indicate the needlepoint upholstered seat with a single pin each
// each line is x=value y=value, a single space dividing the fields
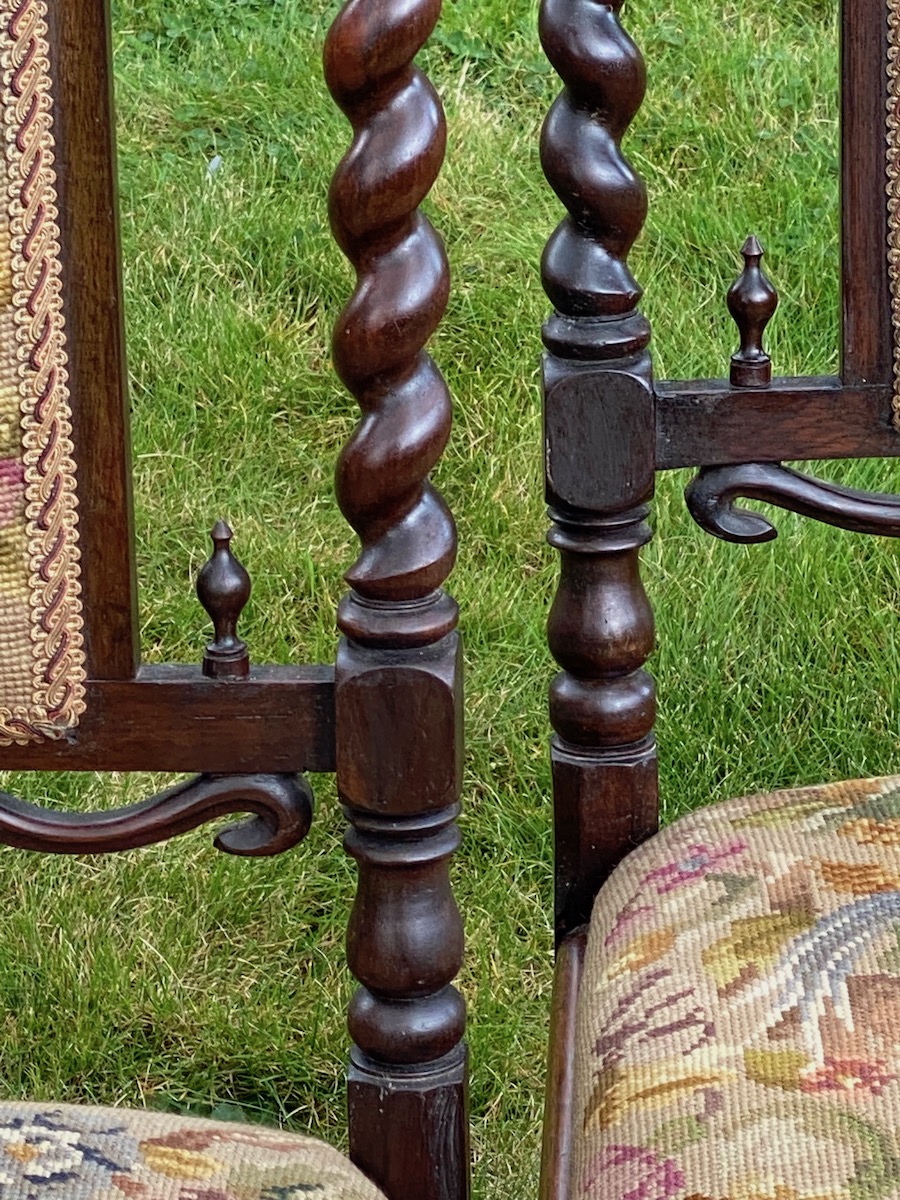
x=738 y=1027
x=49 y=1150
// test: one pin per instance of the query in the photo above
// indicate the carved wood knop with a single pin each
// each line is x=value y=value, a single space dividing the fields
x=752 y=301
x=223 y=588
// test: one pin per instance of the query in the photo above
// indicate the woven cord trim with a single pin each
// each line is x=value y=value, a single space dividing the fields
x=33 y=359
x=893 y=186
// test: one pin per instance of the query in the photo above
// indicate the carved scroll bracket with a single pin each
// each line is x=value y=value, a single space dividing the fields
x=711 y=499
x=281 y=806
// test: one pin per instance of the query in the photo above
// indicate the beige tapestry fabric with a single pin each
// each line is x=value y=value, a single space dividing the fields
x=64 y=1152
x=41 y=650
x=739 y=1020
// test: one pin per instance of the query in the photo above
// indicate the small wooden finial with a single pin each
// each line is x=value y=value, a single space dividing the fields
x=223 y=588
x=751 y=301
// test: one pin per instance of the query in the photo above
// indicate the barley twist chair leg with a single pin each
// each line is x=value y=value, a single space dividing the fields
x=398 y=676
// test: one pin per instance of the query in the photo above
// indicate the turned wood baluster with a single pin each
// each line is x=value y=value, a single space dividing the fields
x=398 y=682
x=599 y=431
x=223 y=588
x=752 y=301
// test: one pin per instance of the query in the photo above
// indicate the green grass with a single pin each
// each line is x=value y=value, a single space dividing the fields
x=191 y=980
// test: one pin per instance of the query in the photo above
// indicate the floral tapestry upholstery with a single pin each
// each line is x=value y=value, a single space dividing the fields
x=66 y=1151
x=739 y=1022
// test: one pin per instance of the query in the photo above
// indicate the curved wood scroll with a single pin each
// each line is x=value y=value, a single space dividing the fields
x=711 y=495
x=281 y=804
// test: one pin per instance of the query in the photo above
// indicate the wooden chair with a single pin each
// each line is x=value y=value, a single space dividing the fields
x=75 y=696
x=721 y=1025
x=724 y=1023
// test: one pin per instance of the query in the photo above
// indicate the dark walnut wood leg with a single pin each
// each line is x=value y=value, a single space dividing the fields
x=398 y=678
x=399 y=769
x=599 y=433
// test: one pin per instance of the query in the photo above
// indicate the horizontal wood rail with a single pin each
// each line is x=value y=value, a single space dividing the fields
x=171 y=718
x=707 y=422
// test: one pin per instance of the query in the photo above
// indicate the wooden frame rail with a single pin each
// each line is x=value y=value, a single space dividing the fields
x=866 y=334
x=556 y=1146
x=707 y=422
x=172 y=718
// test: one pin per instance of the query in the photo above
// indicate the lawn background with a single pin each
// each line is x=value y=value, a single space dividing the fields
x=179 y=978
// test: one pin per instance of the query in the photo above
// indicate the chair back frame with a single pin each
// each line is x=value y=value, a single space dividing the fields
x=251 y=730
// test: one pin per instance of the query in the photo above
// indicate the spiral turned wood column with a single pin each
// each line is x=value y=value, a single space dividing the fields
x=398 y=681
x=599 y=430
